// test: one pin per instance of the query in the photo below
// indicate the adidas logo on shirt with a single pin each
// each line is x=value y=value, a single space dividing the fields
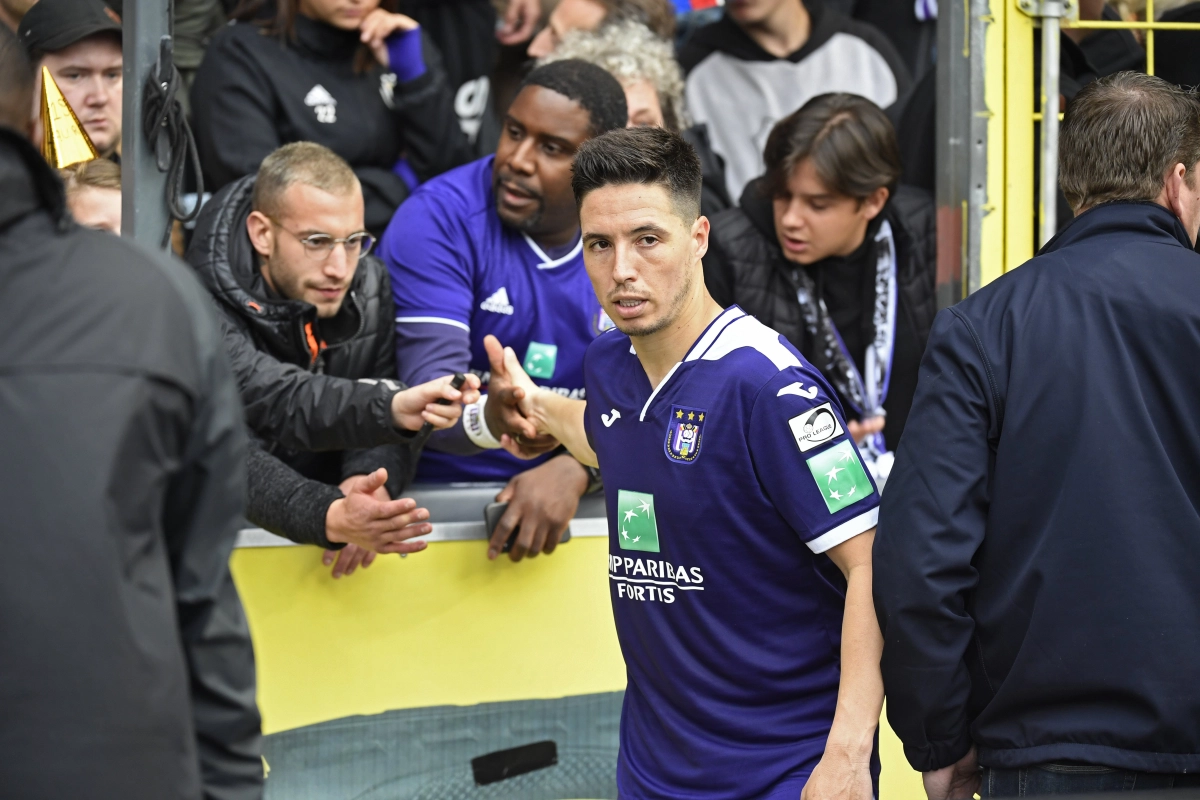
x=322 y=104
x=498 y=302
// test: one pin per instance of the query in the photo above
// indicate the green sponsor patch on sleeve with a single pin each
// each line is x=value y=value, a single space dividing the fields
x=840 y=476
x=540 y=360
x=637 y=527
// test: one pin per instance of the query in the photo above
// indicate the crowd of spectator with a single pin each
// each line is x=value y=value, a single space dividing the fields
x=387 y=183
x=816 y=149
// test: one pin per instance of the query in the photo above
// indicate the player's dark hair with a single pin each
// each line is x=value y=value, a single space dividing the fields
x=640 y=155
x=848 y=139
x=16 y=90
x=596 y=91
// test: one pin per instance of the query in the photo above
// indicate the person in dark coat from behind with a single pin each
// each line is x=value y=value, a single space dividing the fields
x=826 y=249
x=1037 y=552
x=127 y=670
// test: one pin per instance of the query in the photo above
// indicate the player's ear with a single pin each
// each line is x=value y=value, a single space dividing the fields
x=700 y=231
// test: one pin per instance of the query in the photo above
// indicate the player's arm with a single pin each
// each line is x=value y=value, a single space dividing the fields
x=844 y=770
x=812 y=472
x=530 y=411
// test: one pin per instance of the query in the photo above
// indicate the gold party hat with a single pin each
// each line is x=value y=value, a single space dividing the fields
x=64 y=141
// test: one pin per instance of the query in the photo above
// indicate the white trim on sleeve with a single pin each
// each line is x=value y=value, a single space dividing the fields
x=439 y=320
x=845 y=532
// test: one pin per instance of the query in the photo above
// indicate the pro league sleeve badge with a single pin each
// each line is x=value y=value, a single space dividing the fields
x=685 y=432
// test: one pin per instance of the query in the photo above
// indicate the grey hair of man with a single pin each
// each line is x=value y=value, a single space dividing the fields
x=631 y=52
x=1120 y=137
x=307 y=163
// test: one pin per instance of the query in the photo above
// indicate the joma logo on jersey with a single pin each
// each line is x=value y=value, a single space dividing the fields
x=685 y=432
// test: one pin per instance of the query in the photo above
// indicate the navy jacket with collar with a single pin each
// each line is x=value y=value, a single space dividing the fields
x=1037 y=563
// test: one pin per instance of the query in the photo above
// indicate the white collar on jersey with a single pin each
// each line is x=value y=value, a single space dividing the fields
x=551 y=263
x=696 y=350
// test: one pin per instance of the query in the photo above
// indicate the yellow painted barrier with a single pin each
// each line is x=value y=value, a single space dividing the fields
x=444 y=627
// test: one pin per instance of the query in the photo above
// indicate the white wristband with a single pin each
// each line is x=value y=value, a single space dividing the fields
x=476 y=427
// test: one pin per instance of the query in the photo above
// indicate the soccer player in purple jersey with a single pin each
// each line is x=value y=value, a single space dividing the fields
x=741 y=517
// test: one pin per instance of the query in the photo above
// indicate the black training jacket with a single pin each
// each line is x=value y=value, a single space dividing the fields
x=126 y=670
x=253 y=93
x=292 y=367
x=1038 y=547
x=745 y=265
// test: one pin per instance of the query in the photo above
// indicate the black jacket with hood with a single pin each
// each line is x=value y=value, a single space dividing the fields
x=254 y=93
x=745 y=265
x=291 y=368
x=127 y=671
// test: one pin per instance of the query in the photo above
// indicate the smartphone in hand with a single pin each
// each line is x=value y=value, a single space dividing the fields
x=491 y=517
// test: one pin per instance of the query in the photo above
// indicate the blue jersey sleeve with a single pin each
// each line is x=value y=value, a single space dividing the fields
x=429 y=257
x=807 y=463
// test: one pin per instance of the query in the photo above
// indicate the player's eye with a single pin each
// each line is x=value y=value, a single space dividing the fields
x=551 y=149
x=598 y=245
x=649 y=240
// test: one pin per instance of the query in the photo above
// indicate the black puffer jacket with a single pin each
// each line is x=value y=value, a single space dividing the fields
x=291 y=369
x=746 y=266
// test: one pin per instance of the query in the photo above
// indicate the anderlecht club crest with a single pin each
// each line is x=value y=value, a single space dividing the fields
x=685 y=432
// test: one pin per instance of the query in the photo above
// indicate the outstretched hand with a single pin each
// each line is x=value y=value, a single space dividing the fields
x=367 y=519
x=510 y=391
x=418 y=404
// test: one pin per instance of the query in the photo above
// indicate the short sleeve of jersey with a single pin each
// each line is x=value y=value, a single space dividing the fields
x=807 y=463
x=428 y=257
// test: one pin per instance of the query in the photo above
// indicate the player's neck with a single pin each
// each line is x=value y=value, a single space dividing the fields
x=662 y=350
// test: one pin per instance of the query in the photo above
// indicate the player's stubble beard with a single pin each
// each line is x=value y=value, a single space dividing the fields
x=674 y=310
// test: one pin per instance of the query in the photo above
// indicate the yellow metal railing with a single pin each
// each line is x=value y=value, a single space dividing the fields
x=1010 y=224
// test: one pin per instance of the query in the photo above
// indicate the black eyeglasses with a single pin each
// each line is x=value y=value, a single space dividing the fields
x=319 y=246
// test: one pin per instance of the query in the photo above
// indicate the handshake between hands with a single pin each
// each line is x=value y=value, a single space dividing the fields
x=369 y=522
x=512 y=412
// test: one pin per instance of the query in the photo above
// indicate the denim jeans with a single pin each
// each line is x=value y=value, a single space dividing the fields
x=1045 y=779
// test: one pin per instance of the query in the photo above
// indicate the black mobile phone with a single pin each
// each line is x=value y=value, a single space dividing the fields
x=502 y=764
x=491 y=517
